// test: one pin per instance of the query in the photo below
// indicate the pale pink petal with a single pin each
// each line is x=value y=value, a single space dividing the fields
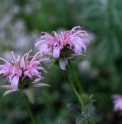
x=22 y=62
x=5 y=61
x=117 y=100
x=56 y=52
x=41 y=68
x=14 y=83
x=2 y=71
x=73 y=29
x=63 y=63
x=27 y=73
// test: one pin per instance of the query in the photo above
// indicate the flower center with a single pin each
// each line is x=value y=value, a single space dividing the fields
x=24 y=84
x=66 y=52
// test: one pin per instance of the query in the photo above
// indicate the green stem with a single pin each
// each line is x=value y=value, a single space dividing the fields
x=74 y=74
x=29 y=110
x=76 y=93
x=79 y=98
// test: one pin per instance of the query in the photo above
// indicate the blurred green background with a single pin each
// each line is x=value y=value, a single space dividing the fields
x=21 y=22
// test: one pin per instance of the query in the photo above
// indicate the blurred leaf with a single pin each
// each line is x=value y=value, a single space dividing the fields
x=81 y=120
x=91 y=109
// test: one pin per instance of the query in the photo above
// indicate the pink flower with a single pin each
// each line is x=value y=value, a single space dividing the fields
x=12 y=72
x=21 y=73
x=117 y=100
x=31 y=68
x=64 y=45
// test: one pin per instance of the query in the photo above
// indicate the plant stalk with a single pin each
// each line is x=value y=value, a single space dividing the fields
x=29 y=110
x=75 y=76
x=76 y=93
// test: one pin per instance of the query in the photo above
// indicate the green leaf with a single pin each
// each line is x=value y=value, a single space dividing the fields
x=81 y=120
x=6 y=86
x=38 y=85
x=29 y=94
x=91 y=109
x=7 y=92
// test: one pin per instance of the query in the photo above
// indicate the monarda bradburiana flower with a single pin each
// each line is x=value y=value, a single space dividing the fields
x=117 y=100
x=22 y=74
x=63 y=46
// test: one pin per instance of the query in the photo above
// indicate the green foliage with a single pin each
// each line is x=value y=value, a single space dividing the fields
x=106 y=24
x=85 y=119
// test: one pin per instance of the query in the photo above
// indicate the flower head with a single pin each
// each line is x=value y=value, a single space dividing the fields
x=11 y=71
x=64 y=45
x=117 y=100
x=21 y=73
